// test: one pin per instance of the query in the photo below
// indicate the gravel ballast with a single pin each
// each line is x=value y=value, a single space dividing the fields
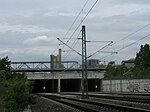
x=46 y=105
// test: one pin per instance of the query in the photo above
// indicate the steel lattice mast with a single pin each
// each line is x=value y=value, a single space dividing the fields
x=84 y=65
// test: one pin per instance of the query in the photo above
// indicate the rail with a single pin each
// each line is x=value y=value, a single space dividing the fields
x=93 y=106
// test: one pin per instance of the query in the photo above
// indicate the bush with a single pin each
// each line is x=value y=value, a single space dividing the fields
x=14 y=89
x=17 y=96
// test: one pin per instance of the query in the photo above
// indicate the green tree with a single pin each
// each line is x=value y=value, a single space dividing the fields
x=5 y=68
x=17 y=96
x=4 y=74
x=16 y=89
x=142 y=62
x=115 y=71
x=142 y=59
x=141 y=69
x=5 y=64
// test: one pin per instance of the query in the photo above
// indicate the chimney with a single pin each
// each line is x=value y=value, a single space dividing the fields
x=59 y=58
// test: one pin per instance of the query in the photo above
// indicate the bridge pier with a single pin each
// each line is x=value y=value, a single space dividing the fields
x=59 y=87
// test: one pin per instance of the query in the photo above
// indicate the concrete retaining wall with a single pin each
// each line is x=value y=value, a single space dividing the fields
x=64 y=75
x=134 y=85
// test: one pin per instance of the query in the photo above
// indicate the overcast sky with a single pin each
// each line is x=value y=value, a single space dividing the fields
x=29 y=28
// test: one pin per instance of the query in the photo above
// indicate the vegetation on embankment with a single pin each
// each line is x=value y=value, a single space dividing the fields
x=140 y=70
x=14 y=89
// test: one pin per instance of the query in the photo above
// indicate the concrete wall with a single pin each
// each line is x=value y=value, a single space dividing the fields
x=64 y=75
x=134 y=85
x=66 y=81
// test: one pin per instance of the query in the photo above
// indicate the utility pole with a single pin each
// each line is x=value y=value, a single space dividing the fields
x=84 y=83
x=84 y=65
x=52 y=68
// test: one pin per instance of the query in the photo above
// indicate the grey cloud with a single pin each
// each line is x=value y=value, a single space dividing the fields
x=4 y=27
x=120 y=23
x=12 y=7
x=4 y=52
x=38 y=40
x=27 y=54
x=130 y=1
x=52 y=24
x=117 y=27
x=23 y=34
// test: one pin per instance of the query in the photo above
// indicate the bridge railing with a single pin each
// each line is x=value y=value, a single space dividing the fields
x=44 y=65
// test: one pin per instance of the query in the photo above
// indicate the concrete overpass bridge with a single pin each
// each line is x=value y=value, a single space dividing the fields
x=64 y=77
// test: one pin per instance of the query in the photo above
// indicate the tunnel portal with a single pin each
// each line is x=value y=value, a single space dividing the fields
x=66 y=85
x=70 y=85
x=45 y=86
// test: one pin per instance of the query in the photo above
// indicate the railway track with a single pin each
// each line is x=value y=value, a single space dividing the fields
x=89 y=105
x=144 y=99
x=125 y=98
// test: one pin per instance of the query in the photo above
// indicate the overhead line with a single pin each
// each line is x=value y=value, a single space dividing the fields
x=97 y=41
x=76 y=18
x=70 y=47
x=128 y=45
x=56 y=48
x=133 y=42
x=75 y=21
x=129 y=36
x=90 y=10
x=74 y=43
x=133 y=33
x=100 y=50
x=82 y=20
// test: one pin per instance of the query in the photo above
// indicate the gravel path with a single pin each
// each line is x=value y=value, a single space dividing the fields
x=46 y=105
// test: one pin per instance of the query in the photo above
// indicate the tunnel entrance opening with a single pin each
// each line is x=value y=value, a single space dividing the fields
x=45 y=86
x=66 y=85
x=37 y=86
x=70 y=85
x=94 y=85
x=51 y=86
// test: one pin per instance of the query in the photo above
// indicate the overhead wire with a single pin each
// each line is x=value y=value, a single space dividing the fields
x=56 y=48
x=128 y=45
x=82 y=21
x=69 y=47
x=99 y=50
x=133 y=33
x=74 y=44
x=85 y=18
x=74 y=22
x=76 y=18
x=68 y=53
x=127 y=37
x=133 y=43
